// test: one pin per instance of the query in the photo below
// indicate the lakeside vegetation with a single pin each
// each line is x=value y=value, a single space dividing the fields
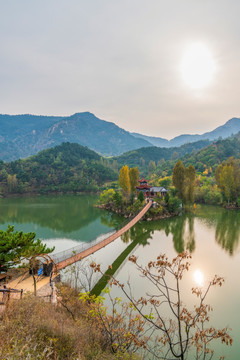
x=126 y=201
x=72 y=168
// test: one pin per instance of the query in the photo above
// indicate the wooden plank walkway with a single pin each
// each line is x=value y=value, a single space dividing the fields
x=62 y=264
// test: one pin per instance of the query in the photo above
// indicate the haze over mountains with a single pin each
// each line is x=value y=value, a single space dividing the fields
x=231 y=127
x=25 y=135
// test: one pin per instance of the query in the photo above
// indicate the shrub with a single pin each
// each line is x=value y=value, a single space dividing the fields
x=107 y=196
x=174 y=204
x=141 y=196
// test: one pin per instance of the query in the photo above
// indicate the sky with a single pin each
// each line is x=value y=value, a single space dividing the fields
x=123 y=61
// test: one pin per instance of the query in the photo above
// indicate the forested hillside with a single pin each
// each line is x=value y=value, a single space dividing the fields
x=65 y=168
x=202 y=154
x=25 y=135
x=207 y=158
x=143 y=156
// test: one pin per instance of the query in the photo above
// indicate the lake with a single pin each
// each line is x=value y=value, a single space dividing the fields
x=211 y=235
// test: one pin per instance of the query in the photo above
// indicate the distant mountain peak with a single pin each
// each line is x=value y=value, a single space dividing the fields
x=231 y=127
x=83 y=128
x=25 y=135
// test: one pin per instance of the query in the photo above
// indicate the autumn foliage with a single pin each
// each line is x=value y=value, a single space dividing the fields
x=177 y=332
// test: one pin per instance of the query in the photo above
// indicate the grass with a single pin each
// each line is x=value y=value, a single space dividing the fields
x=32 y=329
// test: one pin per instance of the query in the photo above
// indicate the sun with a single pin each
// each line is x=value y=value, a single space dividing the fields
x=198 y=278
x=197 y=66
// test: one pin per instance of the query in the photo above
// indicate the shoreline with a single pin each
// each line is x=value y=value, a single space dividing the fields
x=147 y=217
x=36 y=194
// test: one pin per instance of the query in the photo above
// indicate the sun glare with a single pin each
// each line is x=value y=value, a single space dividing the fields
x=197 y=66
x=198 y=277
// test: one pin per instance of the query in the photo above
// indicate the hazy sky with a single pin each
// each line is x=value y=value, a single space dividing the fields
x=121 y=60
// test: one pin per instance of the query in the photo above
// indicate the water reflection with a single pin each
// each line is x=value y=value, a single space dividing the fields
x=182 y=231
x=228 y=231
x=111 y=220
x=226 y=223
x=183 y=228
x=63 y=213
x=75 y=217
x=140 y=233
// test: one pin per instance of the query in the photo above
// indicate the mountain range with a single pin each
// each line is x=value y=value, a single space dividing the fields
x=231 y=127
x=25 y=135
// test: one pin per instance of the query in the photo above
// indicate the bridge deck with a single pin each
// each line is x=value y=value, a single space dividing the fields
x=100 y=245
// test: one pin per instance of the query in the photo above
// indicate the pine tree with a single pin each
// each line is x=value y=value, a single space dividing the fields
x=15 y=246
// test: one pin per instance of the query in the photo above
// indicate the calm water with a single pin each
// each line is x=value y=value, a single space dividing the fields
x=211 y=235
x=63 y=221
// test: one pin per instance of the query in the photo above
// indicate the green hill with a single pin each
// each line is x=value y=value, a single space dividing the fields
x=214 y=154
x=201 y=154
x=141 y=157
x=64 y=168
x=209 y=157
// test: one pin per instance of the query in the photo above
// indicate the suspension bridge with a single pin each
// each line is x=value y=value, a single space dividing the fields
x=55 y=262
x=66 y=258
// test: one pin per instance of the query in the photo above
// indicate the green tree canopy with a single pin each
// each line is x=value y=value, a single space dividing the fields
x=141 y=196
x=133 y=176
x=178 y=178
x=17 y=245
x=190 y=175
x=184 y=181
x=228 y=179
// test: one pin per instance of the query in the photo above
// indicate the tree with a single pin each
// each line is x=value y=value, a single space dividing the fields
x=183 y=332
x=12 y=182
x=151 y=166
x=142 y=162
x=165 y=182
x=121 y=327
x=17 y=245
x=124 y=181
x=184 y=181
x=141 y=196
x=107 y=196
x=227 y=176
x=190 y=175
x=115 y=165
x=134 y=177
x=178 y=178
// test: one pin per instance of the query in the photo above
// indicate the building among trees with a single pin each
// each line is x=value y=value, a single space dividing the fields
x=149 y=191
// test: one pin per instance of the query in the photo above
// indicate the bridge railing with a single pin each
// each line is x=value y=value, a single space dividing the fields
x=65 y=254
